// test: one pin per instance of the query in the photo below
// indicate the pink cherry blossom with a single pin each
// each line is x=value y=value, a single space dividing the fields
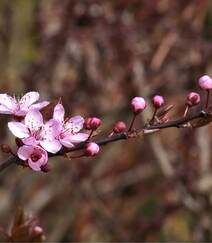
x=20 y=107
x=35 y=156
x=34 y=132
x=70 y=128
x=138 y=104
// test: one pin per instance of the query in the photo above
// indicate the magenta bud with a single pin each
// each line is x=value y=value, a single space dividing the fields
x=157 y=101
x=205 y=82
x=92 y=149
x=138 y=104
x=5 y=148
x=92 y=123
x=193 y=99
x=119 y=127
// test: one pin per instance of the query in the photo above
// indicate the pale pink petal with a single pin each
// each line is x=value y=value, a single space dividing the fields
x=59 y=112
x=30 y=141
x=39 y=106
x=8 y=101
x=51 y=146
x=21 y=112
x=34 y=165
x=4 y=110
x=33 y=120
x=29 y=98
x=18 y=129
x=51 y=129
x=74 y=124
x=66 y=142
x=79 y=137
x=24 y=152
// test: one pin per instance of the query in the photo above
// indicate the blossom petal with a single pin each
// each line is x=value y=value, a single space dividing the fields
x=51 y=146
x=51 y=129
x=79 y=137
x=18 y=129
x=33 y=120
x=4 y=110
x=29 y=98
x=8 y=101
x=24 y=152
x=34 y=165
x=59 y=112
x=66 y=142
x=30 y=141
x=74 y=124
x=39 y=105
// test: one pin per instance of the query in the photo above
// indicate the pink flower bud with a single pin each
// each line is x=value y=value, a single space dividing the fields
x=119 y=127
x=205 y=82
x=138 y=104
x=92 y=123
x=158 y=101
x=92 y=149
x=193 y=99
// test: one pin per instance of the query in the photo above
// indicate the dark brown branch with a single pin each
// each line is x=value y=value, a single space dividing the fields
x=179 y=122
x=121 y=136
x=9 y=161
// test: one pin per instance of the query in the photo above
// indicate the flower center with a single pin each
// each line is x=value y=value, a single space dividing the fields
x=35 y=157
x=37 y=134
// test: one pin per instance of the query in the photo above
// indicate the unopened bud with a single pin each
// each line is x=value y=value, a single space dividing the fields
x=138 y=104
x=205 y=82
x=193 y=99
x=38 y=230
x=19 y=142
x=5 y=148
x=119 y=127
x=158 y=101
x=92 y=123
x=92 y=149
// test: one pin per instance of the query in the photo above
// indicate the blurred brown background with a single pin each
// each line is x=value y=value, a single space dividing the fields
x=97 y=55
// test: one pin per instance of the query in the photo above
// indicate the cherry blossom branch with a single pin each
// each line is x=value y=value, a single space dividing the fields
x=177 y=123
x=38 y=139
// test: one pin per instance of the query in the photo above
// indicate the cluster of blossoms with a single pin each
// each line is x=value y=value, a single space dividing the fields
x=37 y=138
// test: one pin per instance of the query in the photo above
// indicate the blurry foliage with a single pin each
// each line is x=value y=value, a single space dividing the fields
x=176 y=228
x=96 y=55
x=24 y=229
